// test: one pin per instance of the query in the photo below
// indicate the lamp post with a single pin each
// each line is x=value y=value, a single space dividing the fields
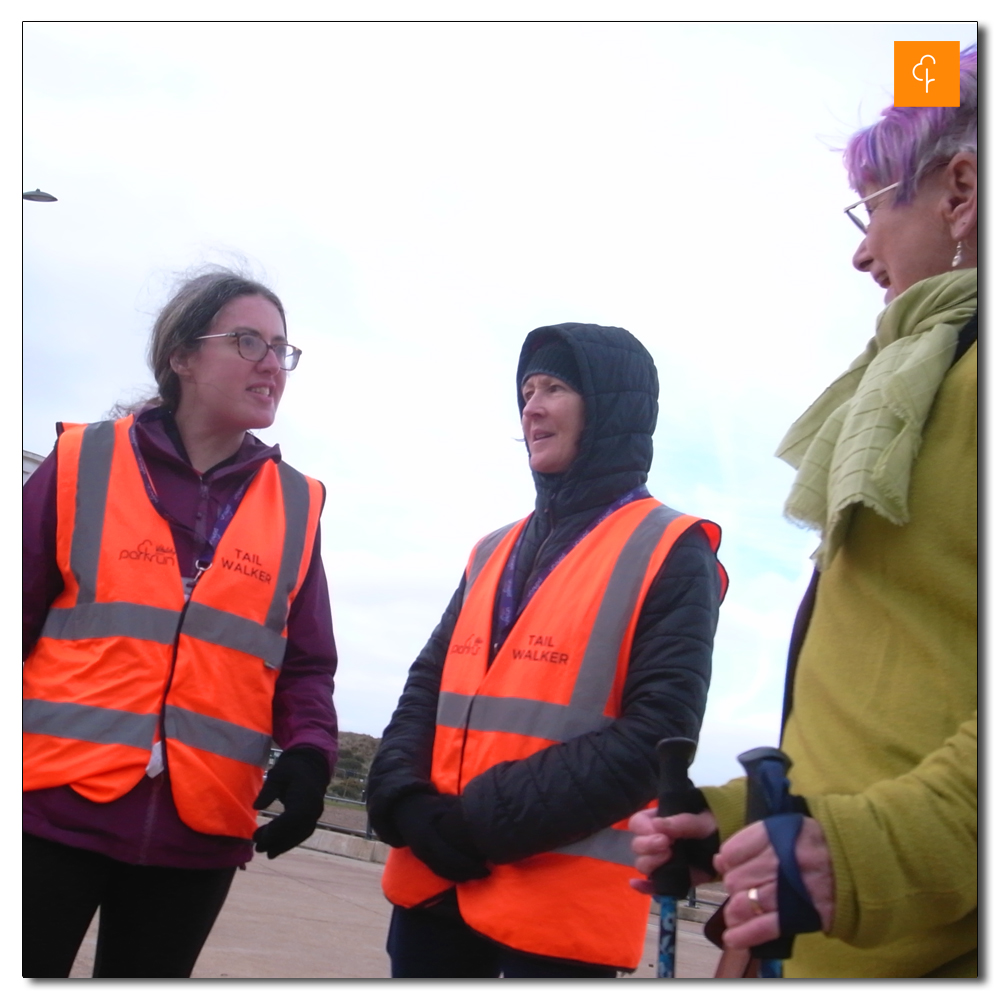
x=38 y=195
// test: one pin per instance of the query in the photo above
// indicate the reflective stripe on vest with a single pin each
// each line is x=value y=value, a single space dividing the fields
x=93 y=480
x=101 y=621
x=140 y=621
x=112 y=725
x=484 y=550
x=296 y=494
x=226 y=739
x=226 y=629
x=605 y=845
x=88 y=722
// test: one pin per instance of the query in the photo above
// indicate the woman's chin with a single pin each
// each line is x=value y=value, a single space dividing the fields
x=262 y=421
x=550 y=468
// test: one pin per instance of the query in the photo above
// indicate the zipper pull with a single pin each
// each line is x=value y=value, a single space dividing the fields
x=200 y=565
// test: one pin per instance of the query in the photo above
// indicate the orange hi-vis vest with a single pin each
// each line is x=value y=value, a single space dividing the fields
x=558 y=675
x=130 y=655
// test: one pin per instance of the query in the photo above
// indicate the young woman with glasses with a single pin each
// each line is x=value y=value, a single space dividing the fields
x=176 y=621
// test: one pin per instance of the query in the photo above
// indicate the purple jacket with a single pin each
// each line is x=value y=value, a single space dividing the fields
x=142 y=827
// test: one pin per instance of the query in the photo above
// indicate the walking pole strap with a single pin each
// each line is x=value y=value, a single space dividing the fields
x=796 y=913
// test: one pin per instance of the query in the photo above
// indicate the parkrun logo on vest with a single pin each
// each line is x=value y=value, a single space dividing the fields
x=146 y=551
x=470 y=647
x=249 y=564
x=548 y=653
x=925 y=75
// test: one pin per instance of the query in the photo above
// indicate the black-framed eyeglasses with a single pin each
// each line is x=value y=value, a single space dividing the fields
x=850 y=211
x=253 y=347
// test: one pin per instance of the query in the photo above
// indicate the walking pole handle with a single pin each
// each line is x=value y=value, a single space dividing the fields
x=765 y=798
x=672 y=880
x=673 y=796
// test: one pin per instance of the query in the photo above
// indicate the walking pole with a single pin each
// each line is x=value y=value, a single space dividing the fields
x=672 y=880
x=767 y=795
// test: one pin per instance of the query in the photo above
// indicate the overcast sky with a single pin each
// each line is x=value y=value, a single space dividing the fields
x=423 y=195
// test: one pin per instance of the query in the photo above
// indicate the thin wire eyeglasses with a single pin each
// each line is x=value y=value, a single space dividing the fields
x=253 y=347
x=860 y=223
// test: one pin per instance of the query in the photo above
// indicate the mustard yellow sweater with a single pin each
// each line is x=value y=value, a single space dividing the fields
x=882 y=735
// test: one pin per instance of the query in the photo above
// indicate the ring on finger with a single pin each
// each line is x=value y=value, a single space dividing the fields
x=755 y=904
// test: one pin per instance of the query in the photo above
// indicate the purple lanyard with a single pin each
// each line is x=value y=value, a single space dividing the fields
x=222 y=521
x=506 y=615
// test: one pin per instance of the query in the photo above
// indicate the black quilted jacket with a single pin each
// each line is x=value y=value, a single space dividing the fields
x=571 y=790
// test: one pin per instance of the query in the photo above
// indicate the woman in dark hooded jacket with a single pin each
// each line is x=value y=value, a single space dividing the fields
x=525 y=736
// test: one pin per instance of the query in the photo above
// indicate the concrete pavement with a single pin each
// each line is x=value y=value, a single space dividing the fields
x=315 y=915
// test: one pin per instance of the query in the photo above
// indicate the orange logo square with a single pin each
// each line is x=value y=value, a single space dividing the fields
x=925 y=75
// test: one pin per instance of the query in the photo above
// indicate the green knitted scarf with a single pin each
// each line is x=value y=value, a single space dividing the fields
x=857 y=442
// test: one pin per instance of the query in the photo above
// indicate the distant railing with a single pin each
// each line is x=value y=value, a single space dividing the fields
x=350 y=787
x=347 y=786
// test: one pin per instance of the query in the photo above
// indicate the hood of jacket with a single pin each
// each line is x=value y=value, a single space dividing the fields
x=620 y=388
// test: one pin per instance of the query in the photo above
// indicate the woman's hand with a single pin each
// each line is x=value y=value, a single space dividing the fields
x=436 y=830
x=298 y=779
x=655 y=835
x=747 y=860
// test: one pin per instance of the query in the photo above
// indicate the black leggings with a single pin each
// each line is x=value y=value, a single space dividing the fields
x=154 y=921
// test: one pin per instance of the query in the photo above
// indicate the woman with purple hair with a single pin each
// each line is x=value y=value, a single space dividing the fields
x=881 y=694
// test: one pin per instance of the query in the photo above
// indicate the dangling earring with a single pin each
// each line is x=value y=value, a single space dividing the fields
x=957 y=259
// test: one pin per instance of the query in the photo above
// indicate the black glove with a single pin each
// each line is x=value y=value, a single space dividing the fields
x=299 y=779
x=435 y=829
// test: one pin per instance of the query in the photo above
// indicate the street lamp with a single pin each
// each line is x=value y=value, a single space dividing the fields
x=38 y=195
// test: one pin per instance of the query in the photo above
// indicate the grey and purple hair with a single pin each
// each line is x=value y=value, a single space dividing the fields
x=907 y=143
